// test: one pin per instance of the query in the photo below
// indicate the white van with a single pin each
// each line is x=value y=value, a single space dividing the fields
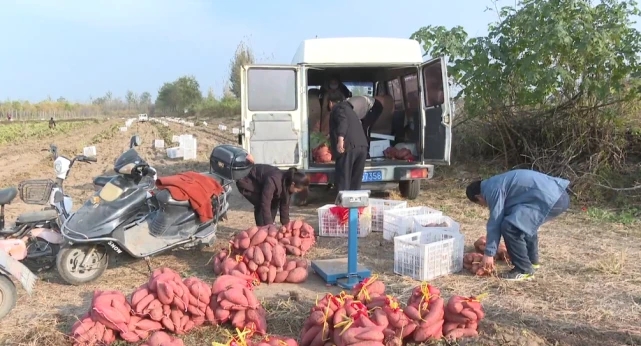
x=278 y=100
x=143 y=117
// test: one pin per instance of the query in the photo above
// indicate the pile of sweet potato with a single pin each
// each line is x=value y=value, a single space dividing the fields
x=472 y=261
x=234 y=301
x=322 y=154
x=398 y=154
x=262 y=252
x=462 y=315
x=169 y=303
x=367 y=316
x=501 y=252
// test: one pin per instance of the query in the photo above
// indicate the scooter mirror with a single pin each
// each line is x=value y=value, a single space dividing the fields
x=53 y=149
x=58 y=197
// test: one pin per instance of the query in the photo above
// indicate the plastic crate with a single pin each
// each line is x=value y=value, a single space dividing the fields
x=422 y=223
x=328 y=225
x=378 y=208
x=399 y=221
x=36 y=191
x=429 y=254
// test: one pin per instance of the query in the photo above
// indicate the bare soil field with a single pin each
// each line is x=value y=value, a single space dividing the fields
x=587 y=292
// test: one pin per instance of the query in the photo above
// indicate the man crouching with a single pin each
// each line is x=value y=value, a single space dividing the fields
x=520 y=201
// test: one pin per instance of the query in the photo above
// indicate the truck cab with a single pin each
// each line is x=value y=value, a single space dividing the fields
x=281 y=106
x=143 y=117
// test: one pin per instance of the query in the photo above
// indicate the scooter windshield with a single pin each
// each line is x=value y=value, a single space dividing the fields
x=126 y=162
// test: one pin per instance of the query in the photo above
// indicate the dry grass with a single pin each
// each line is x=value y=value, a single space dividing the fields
x=587 y=292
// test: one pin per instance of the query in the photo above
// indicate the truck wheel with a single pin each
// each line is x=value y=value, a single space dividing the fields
x=409 y=188
x=69 y=262
x=8 y=296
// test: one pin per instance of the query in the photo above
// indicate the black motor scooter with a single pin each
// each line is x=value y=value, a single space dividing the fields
x=121 y=218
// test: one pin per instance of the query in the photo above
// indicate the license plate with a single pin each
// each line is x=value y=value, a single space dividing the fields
x=372 y=176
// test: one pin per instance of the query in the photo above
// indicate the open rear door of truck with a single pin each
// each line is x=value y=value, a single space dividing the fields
x=271 y=114
x=436 y=110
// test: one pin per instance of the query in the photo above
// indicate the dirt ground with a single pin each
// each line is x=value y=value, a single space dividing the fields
x=587 y=292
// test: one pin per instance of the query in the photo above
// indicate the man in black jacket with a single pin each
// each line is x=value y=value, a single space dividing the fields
x=348 y=143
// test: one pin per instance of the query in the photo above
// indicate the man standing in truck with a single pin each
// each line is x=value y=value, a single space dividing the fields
x=348 y=142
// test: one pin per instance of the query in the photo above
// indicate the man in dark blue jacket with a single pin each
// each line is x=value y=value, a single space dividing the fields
x=520 y=201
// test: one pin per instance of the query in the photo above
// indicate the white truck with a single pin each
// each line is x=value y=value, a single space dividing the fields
x=278 y=101
x=143 y=117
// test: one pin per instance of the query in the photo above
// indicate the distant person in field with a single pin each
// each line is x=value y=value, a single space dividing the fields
x=52 y=123
x=520 y=201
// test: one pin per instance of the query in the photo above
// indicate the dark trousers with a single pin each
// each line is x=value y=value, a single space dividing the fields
x=254 y=199
x=350 y=166
x=524 y=248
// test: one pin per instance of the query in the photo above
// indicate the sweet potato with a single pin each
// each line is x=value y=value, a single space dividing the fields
x=356 y=334
x=251 y=232
x=297 y=275
x=435 y=311
x=263 y=273
x=307 y=338
x=295 y=241
x=259 y=237
x=235 y=296
x=271 y=275
x=140 y=293
x=426 y=331
x=223 y=282
x=368 y=289
x=281 y=276
x=461 y=333
x=279 y=256
x=259 y=258
x=243 y=240
x=306 y=244
x=293 y=250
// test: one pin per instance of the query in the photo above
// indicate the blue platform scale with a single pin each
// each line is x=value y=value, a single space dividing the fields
x=346 y=272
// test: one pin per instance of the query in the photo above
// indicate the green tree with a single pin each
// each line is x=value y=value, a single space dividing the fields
x=183 y=93
x=132 y=99
x=548 y=86
x=145 y=99
x=243 y=56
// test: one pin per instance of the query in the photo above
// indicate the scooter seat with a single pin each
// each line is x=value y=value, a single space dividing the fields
x=37 y=216
x=102 y=180
x=164 y=197
x=7 y=195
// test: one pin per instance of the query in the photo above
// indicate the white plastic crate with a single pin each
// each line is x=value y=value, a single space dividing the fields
x=189 y=153
x=429 y=254
x=175 y=152
x=378 y=208
x=159 y=144
x=329 y=226
x=89 y=151
x=432 y=222
x=399 y=221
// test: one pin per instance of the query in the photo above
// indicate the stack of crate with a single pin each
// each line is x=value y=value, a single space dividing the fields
x=427 y=244
x=186 y=149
